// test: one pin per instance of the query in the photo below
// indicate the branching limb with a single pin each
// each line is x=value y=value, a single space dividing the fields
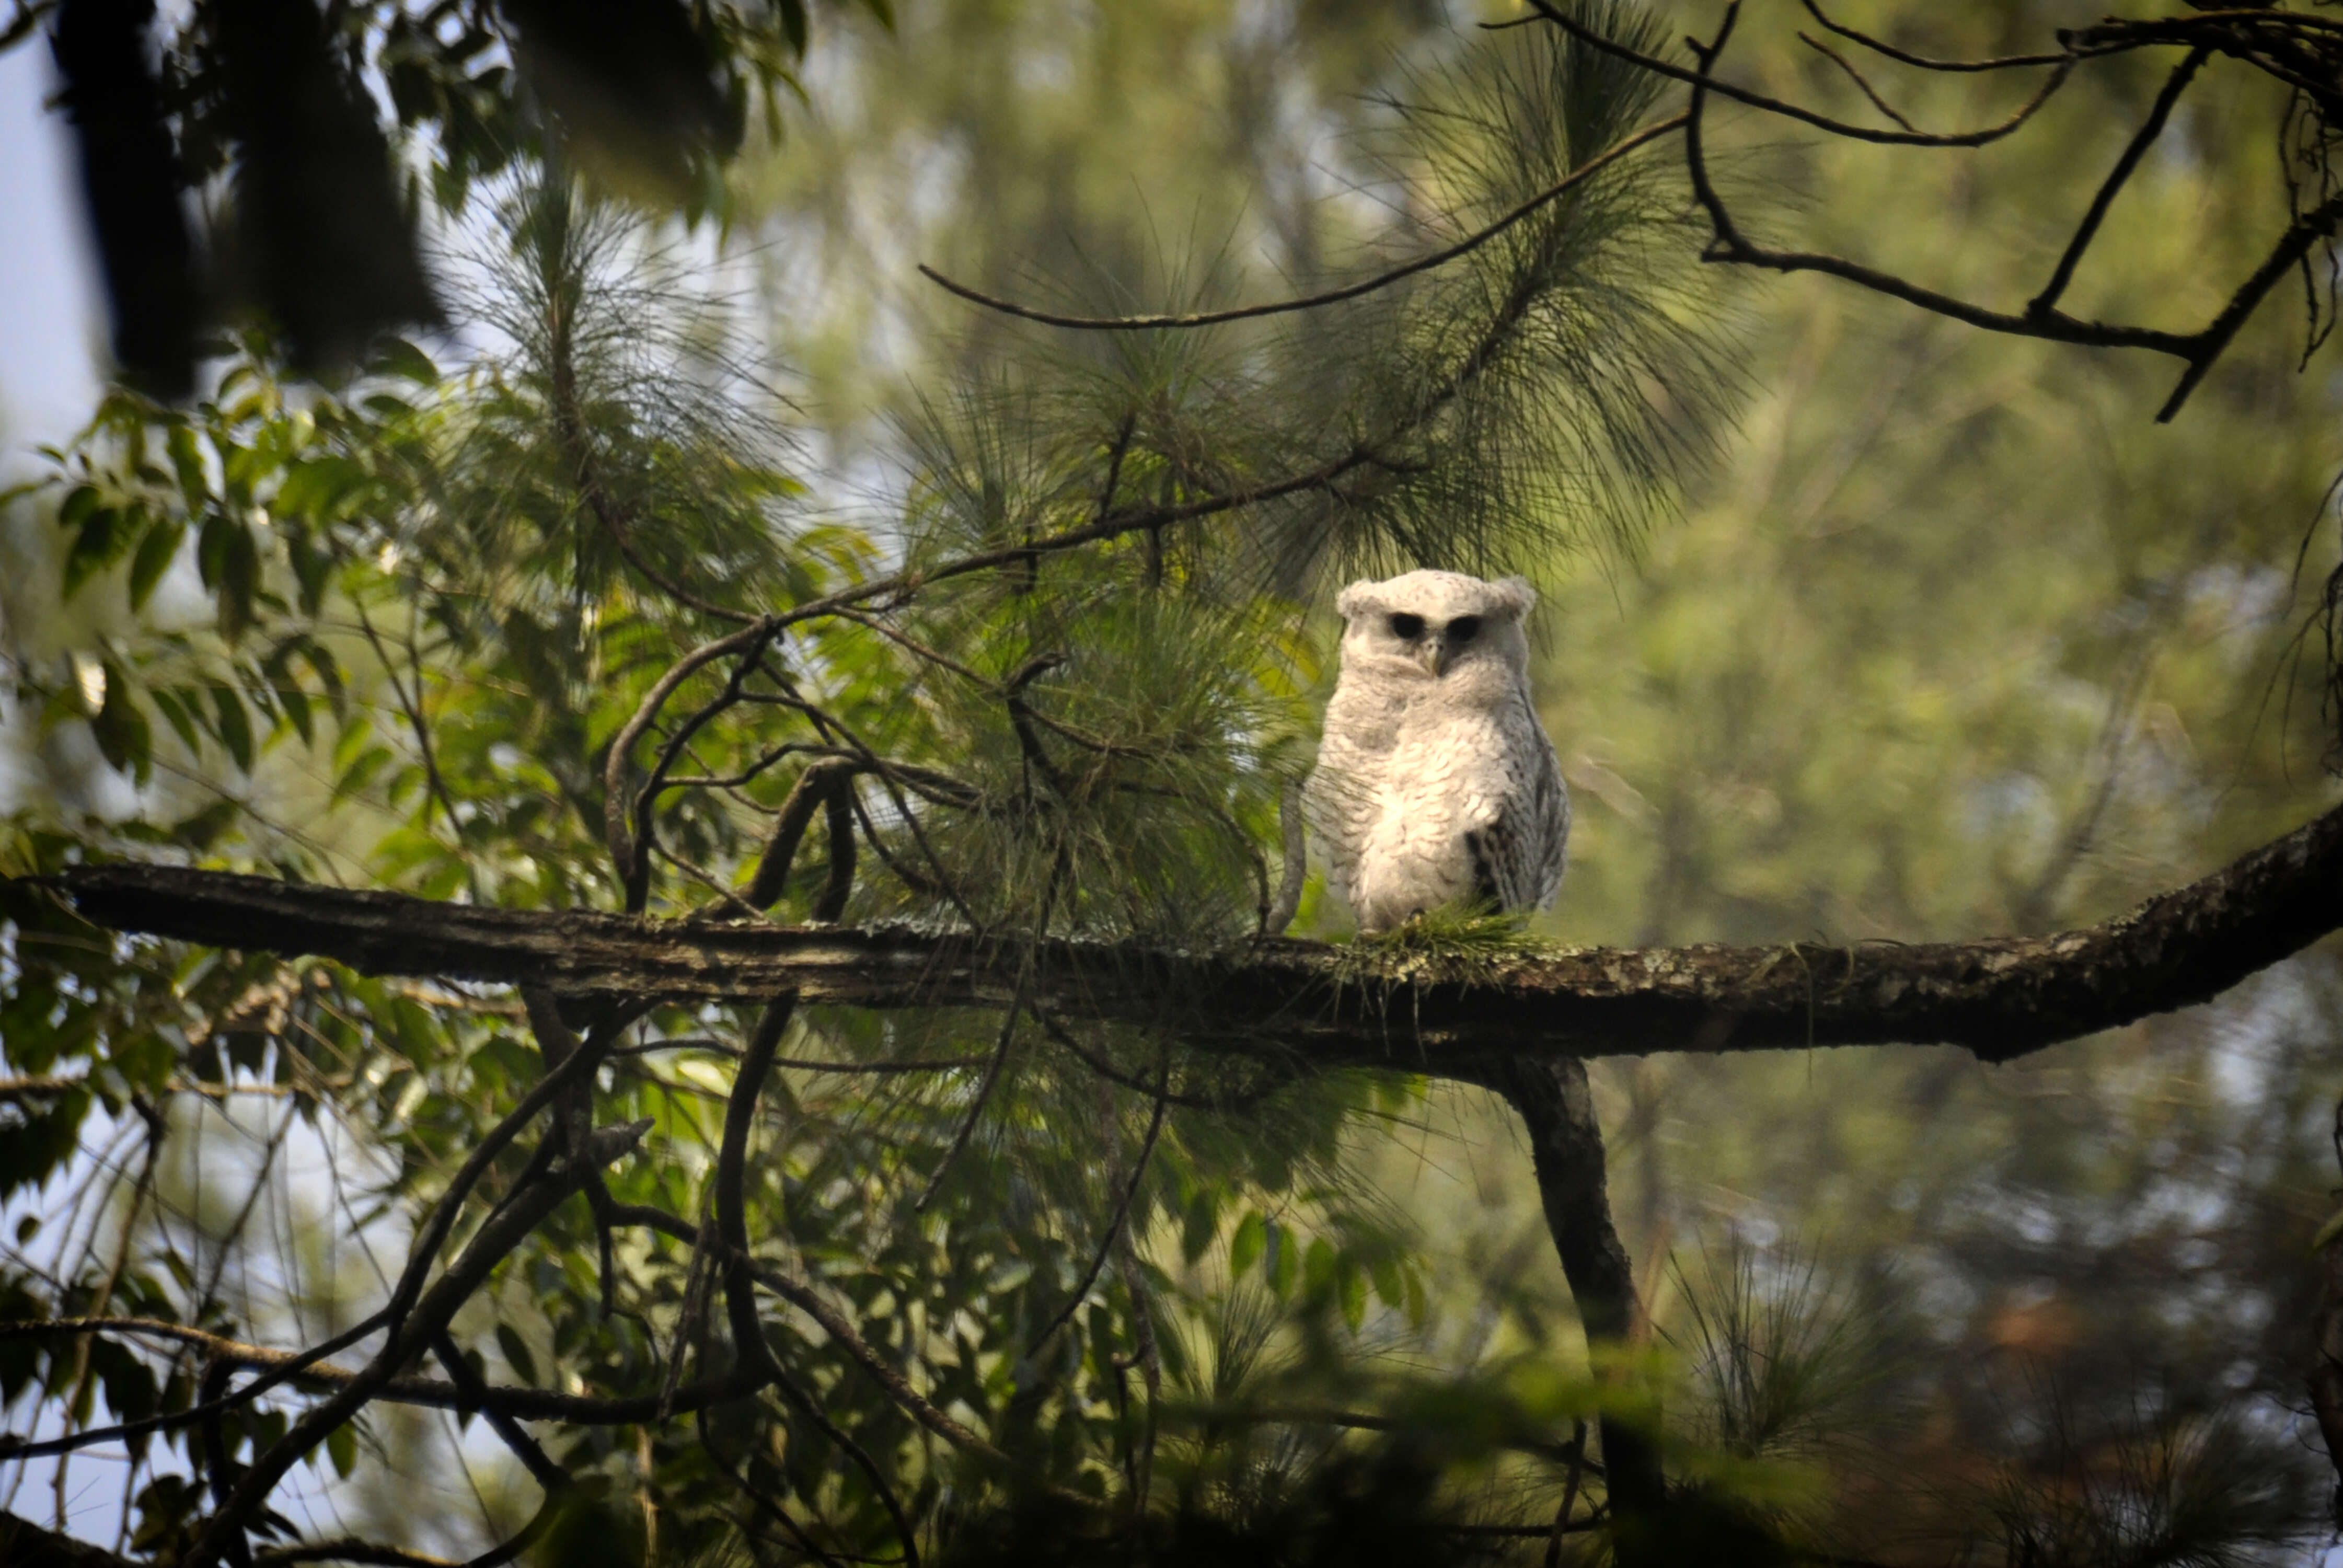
x=752 y=1354
x=2223 y=31
x=577 y=1067
x=767 y=1506
x=839 y=887
x=814 y=788
x=645 y=832
x=539 y=1464
x=306 y=1366
x=2142 y=139
x=219 y=1477
x=616 y=834
x=428 y=1316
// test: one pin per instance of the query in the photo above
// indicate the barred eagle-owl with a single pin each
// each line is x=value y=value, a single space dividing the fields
x=1435 y=781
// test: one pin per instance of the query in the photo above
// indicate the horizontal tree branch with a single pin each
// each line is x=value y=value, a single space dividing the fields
x=1359 y=1005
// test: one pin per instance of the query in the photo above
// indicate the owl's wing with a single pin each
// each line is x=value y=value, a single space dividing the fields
x=1340 y=802
x=1518 y=849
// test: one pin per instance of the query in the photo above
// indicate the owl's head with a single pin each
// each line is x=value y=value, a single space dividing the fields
x=1445 y=623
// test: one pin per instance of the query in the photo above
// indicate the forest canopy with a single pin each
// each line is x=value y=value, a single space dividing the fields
x=656 y=908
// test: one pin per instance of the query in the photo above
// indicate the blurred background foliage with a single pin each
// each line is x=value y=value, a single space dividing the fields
x=1945 y=638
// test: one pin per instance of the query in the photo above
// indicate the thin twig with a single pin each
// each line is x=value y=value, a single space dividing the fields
x=1122 y=1214
x=2134 y=150
x=1857 y=77
x=1701 y=79
x=414 y=711
x=992 y=1067
x=1441 y=257
x=2001 y=63
x=616 y=835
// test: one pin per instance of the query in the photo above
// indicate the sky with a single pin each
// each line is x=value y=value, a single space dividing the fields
x=50 y=317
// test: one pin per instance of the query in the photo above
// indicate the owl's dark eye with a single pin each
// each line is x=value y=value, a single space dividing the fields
x=1464 y=629
x=1407 y=628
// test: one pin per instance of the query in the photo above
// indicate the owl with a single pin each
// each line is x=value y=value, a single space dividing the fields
x=1435 y=782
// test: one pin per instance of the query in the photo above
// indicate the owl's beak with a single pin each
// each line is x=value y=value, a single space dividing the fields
x=1435 y=655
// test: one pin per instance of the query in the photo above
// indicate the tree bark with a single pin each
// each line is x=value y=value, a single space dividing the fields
x=24 y=1545
x=2000 y=997
x=1557 y=1109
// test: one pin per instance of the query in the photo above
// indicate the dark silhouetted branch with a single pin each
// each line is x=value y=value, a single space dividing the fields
x=1701 y=78
x=1904 y=56
x=1999 y=996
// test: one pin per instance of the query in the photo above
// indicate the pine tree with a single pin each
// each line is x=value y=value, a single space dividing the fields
x=816 y=1014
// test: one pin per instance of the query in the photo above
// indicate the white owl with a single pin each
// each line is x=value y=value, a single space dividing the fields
x=1435 y=782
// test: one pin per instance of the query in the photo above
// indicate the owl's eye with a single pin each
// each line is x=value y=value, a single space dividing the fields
x=1407 y=628
x=1464 y=629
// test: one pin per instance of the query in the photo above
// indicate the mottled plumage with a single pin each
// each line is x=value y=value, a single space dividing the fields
x=1435 y=782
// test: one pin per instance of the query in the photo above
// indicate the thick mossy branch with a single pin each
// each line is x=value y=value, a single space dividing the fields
x=2000 y=996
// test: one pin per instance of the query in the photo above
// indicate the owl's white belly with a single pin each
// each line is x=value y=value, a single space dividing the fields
x=1445 y=779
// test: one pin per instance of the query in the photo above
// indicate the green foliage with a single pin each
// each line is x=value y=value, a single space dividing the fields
x=445 y=631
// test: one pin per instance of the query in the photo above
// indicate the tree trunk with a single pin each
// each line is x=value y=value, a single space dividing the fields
x=1555 y=1105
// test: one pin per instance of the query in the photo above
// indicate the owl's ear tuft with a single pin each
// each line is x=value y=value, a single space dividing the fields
x=1353 y=600
x=1519 y=596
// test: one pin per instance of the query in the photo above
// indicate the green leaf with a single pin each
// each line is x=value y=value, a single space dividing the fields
x=516 y=1349
x=235 y=726
x=1350 y=1286
x=211 y=546
x=1284 y=1261
x=124 y=737
x=96 y=545
x=79 y=502
x=173 y=707
x=1318 y=1268
x=157 y=548
x=203 y=829
x=1391 y=1288
x=1246 y=1246
x=295 y=705
x=319 y=487
x=398 y=356
x=1199 y=1221
x=361 y=771
x=342 y=1447
x=188 y=460
x=239 y=580
x=2327 y=1232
